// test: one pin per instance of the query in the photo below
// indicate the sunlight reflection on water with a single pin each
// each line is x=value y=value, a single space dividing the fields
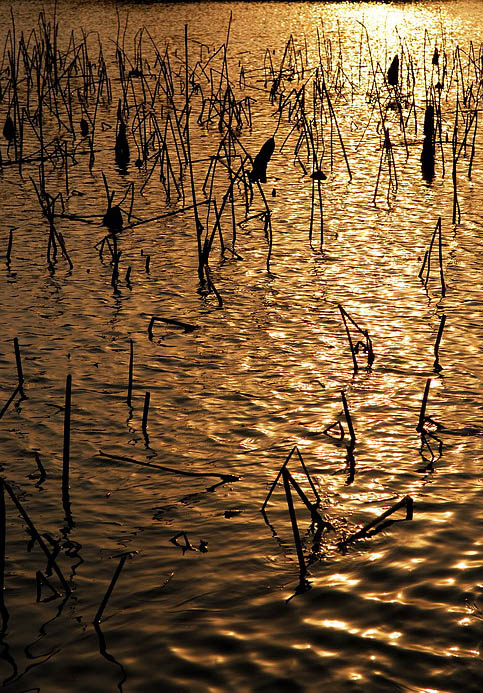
x=398 y=609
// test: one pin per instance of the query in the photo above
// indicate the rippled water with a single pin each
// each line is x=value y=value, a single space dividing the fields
x=400 y=610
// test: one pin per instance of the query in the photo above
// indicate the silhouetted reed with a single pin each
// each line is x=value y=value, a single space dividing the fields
x=18 y=361
x=317 y=523
x=41 y=581
x=427 y=259
x=393 y=72
x=121 y=149
x=337 y=424
x=437 y=366
x=42 y=474
x=187 y=546
x=10 y=400
x=8 y=255
x=212 y=287
x=294 y=451
x=387 y=153
x=423 y=418
x=422 y=411
x=348 y=419
x=185 y=326
x=293 y=520
x=50 y=95
x=37 y=537
x=260 y=162
x=3 y=525
x=66 y=452
x=130 y=373
x=112 y=584
x=428 y=438
x=365 y=347
x=147 y=398
x=428 y=153
x=182 y=472
x=376 y=525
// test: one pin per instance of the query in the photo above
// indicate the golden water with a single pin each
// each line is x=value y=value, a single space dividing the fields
x=401 y=610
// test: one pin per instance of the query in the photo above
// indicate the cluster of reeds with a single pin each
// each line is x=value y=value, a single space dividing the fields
x=51 y=98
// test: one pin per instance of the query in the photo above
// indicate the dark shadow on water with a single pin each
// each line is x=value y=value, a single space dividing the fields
x=108 y=656
x=7 y=657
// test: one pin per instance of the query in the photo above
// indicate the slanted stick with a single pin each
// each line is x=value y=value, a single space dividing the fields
x=112 y=584
x=42 y=580
x=422 y=412
x=293 y=520
x=406 y=502
x=348 y=418
x=10 y=400
x=307 y=474
x=40 y=467
x=274 y=483
x=354 y=360
x=224 y=477
x=37 y=537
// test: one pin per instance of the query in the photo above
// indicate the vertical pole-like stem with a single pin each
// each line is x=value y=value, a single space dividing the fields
x=354 y=360
x=436 y=364
x=198 y=224
x=131 y=364
x=18 y=361
x=348 y=418
x=422 y=412
x=9 y=248
x=3 y=608
x=293 y=519
x=440 y=258
x=312 y=204
x=66 y=451
x=147 y=397
x=321 y=217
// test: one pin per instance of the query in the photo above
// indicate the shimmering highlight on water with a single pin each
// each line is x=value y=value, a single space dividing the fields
x=400 y=610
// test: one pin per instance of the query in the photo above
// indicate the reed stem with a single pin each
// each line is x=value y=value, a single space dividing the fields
x=112 y=584
x=66 y=451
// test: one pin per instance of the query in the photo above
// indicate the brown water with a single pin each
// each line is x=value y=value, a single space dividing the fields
x=401 y=610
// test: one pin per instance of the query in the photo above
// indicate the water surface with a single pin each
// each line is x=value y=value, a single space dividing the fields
x=401 y=610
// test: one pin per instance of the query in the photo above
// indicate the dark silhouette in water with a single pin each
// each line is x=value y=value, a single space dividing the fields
x=393 y=72
x=261 y=160
x=427 y=155
x=9 y=129
x=84 y=127
x=122 y=146
x=113 y=219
